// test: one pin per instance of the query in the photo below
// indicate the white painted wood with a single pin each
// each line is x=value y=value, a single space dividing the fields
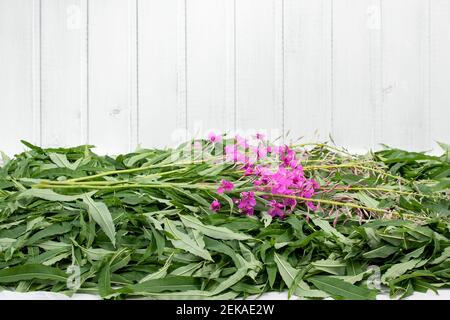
x=257 y=108
x=440 y=71
x=208 y=67
x=181 y=132
x=16 y=91
x=122 y=72
x=405 y=74
x=159 y=114
x=133 y=72
x=109 y=75
x=63 y=78
x=356 y=51
x=36 y=70
x=307 y=35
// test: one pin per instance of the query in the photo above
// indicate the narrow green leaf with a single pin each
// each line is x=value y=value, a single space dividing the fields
x=47 y=194
x=30 y=272
x=172 y=283
x=100 y=213
x=212 y=231
x=182 y=241
x=381 y=252
x=341 y=289
x=398 y=269
x=161 y=273
x=61 y=161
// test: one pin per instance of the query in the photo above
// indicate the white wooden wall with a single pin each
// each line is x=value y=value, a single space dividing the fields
x=118 y=73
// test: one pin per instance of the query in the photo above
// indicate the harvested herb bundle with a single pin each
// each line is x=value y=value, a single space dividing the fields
x=225 y=218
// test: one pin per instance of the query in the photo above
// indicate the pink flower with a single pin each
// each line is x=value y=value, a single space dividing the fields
x=225 y=186
x=214 y=138
x=311 y=205
x=276 y=209
x=241 y=141
x=260 y=152
x=248 y=170
x=247 y=203
x=215 y=205
x=233 y=155
x=260 y=136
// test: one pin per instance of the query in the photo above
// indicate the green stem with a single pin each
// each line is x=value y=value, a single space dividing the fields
x=378 y=189
x=324 y=201
x=323 y=145
x=122 y=171
x=355 y=165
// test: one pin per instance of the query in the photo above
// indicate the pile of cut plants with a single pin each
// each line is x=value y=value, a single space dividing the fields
x=224 y=218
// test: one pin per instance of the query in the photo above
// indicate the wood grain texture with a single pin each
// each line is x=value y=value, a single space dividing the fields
x=405 y=74
x=356 y=56
x=440 y=71
x=16 y=84
x=109 y=75
x=257 y=108
x=158 y=103
x=307 y=69
x=119 y=73
x=63 y=72
x=207 y=67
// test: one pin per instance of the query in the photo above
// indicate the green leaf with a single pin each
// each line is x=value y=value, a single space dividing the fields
x=100 y=213
x=187 y=270
x=182 y=241
x=341 y=289
x=230 y=281
x=330 y=266
x=325 y=226
x=398 y=269
x=381 y=252
x=61 y=161
x=212 y=231
x=289 y=274
x=31 y=272
x=48 y=194
x=161 y=273
x=444 y=256
x=172 y=283
x=55 y=229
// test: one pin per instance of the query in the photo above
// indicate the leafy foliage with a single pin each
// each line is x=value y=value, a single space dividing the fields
x=140 y=224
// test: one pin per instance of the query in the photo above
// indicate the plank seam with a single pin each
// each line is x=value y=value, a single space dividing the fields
x=332 y=75
x=137 y=75
x=87 y=108
x=429 y=71
x=182 y=119
x=37 y=71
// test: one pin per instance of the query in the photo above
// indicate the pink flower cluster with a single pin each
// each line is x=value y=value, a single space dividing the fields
x=287 y=179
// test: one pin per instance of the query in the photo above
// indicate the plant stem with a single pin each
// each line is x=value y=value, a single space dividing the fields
x=378 y=189
x=325 y=201
x=355 y=165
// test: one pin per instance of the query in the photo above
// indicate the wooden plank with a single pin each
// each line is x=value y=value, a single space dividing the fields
x=307 y=69
x=158 y=112
x=356 y=61
x=405 y=74
x=440 y=71
x=207 y=67
x=16 y=43
x=63 y=64
x=256 y=96
x=109 y=75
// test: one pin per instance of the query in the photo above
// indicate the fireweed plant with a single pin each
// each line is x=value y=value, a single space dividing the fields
x=224 y=218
